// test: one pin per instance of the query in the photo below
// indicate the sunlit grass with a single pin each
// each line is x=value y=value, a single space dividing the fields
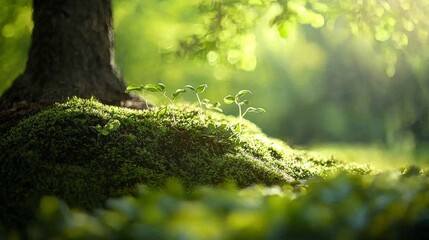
x=379 y=157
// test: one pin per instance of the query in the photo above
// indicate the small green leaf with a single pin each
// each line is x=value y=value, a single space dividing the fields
x=180 y=90
x=112 y=125
x=177 y=93
x=205 y=101
x=152 y=87
x=216 y=104
x=241 y=93
x=161 y=86
x=228 y=99
x=255 y=110
x=104 y=132
x=133 y=88
x=246 y=102
x=162 y=111
x=201 y=88
x=190 y=87
x=216 y=109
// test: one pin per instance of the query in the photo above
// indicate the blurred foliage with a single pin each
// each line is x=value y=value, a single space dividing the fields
x=396 y=23
x=318 y=85
x=15 y=30
x=377 y=156
x=334 y=89
x=221 y=31
x=392 y=205
x=358 y=74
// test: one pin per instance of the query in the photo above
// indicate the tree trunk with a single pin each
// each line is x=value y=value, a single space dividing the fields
x=71 y=54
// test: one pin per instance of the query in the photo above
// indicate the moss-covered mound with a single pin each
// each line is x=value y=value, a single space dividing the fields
x=84 y=152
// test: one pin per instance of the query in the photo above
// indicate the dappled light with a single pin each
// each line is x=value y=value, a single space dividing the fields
x=250 y=119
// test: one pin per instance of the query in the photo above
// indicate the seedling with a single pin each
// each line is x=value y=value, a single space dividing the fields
x=239 y=102
x=140 y=88
x=111 y=126
x=159 y=87
x=237 y=99
x=212 y=106
x=205 y=102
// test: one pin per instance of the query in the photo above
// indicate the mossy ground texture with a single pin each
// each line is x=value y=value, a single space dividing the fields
x=59 y=152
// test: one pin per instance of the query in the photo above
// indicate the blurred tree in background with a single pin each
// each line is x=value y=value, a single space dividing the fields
x=345 y=71
x=326 y=71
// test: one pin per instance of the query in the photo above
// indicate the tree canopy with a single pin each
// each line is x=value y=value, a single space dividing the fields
x=222 y=30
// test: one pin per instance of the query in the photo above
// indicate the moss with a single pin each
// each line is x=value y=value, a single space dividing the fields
x=59 y=152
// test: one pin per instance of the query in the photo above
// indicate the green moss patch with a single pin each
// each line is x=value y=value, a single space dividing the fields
x=60 y=152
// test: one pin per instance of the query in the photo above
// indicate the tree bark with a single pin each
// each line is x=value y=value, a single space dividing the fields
x=71 y=54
